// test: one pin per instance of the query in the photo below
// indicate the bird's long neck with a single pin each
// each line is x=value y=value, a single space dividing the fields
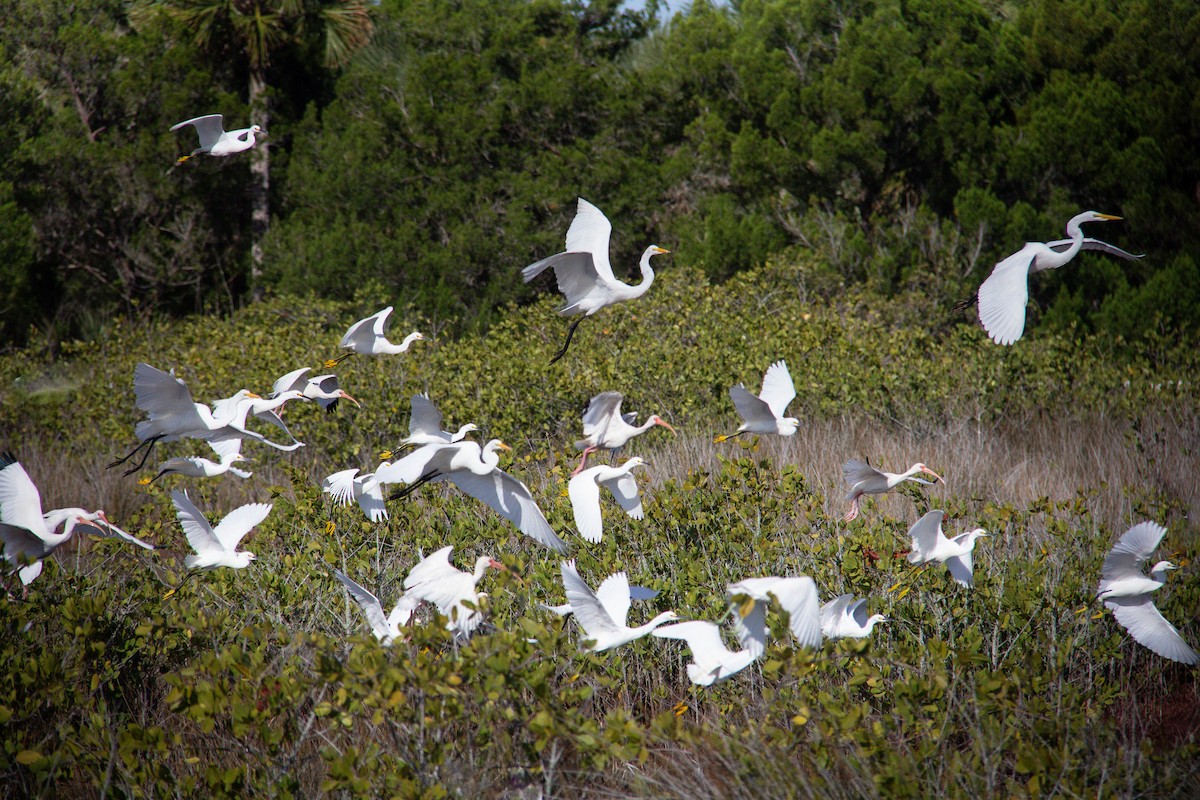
x=1053 y=260
x=489 y=456
x=72 y=517
x=873 y=621
x=642 y=630
x=647 y=273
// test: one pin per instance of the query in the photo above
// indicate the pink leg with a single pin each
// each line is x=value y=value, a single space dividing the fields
x=853 y=512
x=587 y=451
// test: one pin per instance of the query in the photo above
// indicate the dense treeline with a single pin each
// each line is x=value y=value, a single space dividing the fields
x=909 y=143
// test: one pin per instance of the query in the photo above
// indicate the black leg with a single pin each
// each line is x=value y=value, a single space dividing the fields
x=400 y=494
x=153 y=440
x=567 y=343
x=134 y=451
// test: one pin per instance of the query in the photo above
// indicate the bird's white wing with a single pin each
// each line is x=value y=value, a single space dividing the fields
x=370 y=498
x=368 y=602
x=601 y=410
x=613 y=594
x=20 y=541
x=832 y=612
x=417 y=463
x=854 y=471
x=209 y=128
x=239 y=522
x=403 y=611
x=1150 y=628
x=1060 y=245
x=199 y=533
x=276 y=420
x=751 y=409
x=585 y=504
x=226 y=448
x=778 y=391
x=293 y=381
x=159 y=393
x=512 y=500
x=1003 y=296
x=961 y=569
x=590 y=232
x=340 y=486
x=925 y=532
x=798 y=597
x=750 y=623
x=20 y=501
x=362 y=333
x=583 y=601
x=577 y=278
x=1131 y=551
x=435 y=580
x=426 y=419
x=625 y=489
x=703 y=638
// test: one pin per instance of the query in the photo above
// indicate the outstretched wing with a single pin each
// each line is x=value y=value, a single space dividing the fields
x=613 y=594
x=512 y=500
x=961 y=569
x=209 y=128
x=924 y=533
x=199 y=533
x=833 y=611
x=625 y=489
x=1132 y=550
x=1003 y=296
x=600 y=411
x=585 y=505
x=1061 y=245
x=778 y=391
x=293 y=381
x=239 y=522
x=20 y=501
x=583 y=601
x=362 y=334
x=368 y=602
x=426 y=419
x=752 y=409
x=855 y=471
x=159 y=393
x=590 y=232
x=1150 y=628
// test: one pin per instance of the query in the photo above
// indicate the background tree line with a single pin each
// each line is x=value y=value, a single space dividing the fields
x=432 y=149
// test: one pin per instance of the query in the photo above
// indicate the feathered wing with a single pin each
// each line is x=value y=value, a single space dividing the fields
x=226 y=448
x=1003 y=296
x=110 y=531
x=961 y=569
x=209 y=128
x=587 y=607
x=750 y=408
x=1150 y=628
x=239 y=522
x=711 y=659
x=625 y=489
x=512 y=500
x=778 y=391
x=798 y=597
x=855 y=471
x=428 y=577
x=368 y=602
x=362 y=334
x=833 y=611
x=600 y=411
x=199 y=533
x=414 y=465
x=19 y=541
x=340 y=486
x=426 y=419
x=159 y=393
x=1061 y=245
x=293 y=381
x=1132 y=550
x=590 y=232
x=20 y=500
x=925 y=533
x=750 y=624
x=585 y=505
x=370 y=498
x=613 y=594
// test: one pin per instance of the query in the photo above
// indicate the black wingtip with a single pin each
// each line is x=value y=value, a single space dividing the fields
x=7 y=459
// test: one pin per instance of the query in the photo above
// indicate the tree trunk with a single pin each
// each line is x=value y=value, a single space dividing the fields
x=260 y=181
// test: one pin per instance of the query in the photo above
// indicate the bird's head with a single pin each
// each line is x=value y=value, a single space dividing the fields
x=342 y=393
x=258 y=130
x=1096 y=216
x=657 y=420
x=1163 y=566
x=253 y=396
x=497 y=444
x=249 y=556
x=637 y=461
x=919 y=467
x=655 y=250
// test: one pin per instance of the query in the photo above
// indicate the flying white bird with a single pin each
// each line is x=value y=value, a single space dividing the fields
x=425 y=425
x=1126 y=591
x=764 y=414
x=603 y=613
x=584 y=491
x=846 y=618
x=584 y=273
x=322 y=388
x=386 y=627
x=228 y=451
x=217 y=547
x=366 y=337
x=348 y=487
x=635 y=593
x=865 y=479
x=236 y=411
x=606 y=428
x=476 y=471
x=750 y=598
x=930 y=544
x=173 y=415
x=215 y=140
x=1003 y=296
x=436 y=581
x=28 y=534
x=712 y=661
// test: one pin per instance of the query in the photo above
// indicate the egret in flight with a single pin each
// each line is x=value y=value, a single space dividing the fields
x=348 y=487
x=603 y=613
x=217 y=547
x=386 y=627
x=749 y=599
x=846 y=618
x=325 y=389
x=764 y=414
x=436 y=581
x=584 y=491
x=606 y=428
x=929 y=544
x=712 y=661
x=584 y=273
x=228 y=451
x=865 y=479
x=1126 y=590
x=425 y=425
x=367 y=338
x=1003 y=296
x=215 y=140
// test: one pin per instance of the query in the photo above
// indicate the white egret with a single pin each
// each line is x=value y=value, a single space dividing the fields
x=764 y=414
x=215 y=140
x=476 y=471
x=228 y=452
x=584 y=273
x=635 y=593
x=749 y=599
x=348 y=487
x=436 y=581
x=1126 y=590
x=846 y=618
x=1003 y=296
x=386 y=627
x=712 y=661
x=584 y=491
x=236 y=410
x=174 y=415
x=425 y=425
x=28 y=534
x=929 y=544
x=606 y=428
x=217 y=547
x=865 y=479
x=603 y=613
x=366 y=337
x=325 y=389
